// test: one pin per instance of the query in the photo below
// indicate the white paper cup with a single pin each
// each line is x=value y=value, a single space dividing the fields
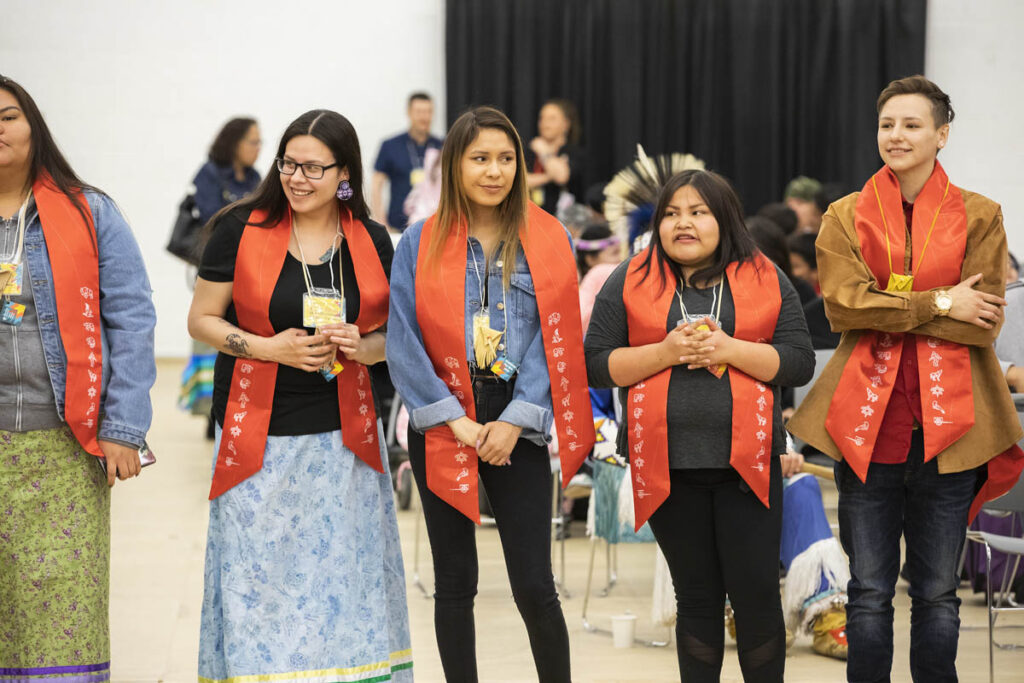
x=623 y=629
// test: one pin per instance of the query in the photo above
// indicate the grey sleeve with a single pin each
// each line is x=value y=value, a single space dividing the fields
x=608 y=328
x=1009 y=345
x=792 y=340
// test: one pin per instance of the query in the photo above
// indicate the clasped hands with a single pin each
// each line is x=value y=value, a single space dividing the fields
x=297 y=348
x=493 y=441
x=697 y=348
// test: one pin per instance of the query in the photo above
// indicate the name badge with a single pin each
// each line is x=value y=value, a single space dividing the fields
x=416 y=176
x=696 y=320
x=10 y=277
x=322 y=307
x=900 y=283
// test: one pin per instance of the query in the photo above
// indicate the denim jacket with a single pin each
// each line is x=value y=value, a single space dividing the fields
x=128 y=316
x=427 y=397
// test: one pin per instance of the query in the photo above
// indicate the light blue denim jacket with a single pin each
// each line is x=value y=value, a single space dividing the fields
x=426 y=396
x=128 y=320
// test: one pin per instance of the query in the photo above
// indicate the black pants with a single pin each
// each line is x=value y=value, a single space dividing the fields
x=719 y=539
x=520 y=497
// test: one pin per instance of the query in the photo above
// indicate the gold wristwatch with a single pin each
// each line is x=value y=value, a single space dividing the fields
x=943 y=302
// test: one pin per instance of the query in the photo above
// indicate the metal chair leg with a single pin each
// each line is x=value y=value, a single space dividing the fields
x=587 y=626
x=991 y=619
x=416 y=547
x=558 y=523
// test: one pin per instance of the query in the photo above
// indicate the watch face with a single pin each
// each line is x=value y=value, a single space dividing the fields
x=944 y=302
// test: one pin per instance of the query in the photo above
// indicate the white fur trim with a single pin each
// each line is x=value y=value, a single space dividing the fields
x=825 y=557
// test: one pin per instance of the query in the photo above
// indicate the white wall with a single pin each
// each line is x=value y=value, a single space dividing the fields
x=974 y=54
x=135 y=91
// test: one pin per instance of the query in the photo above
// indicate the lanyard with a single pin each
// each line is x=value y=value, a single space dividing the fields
x=415 y=160
x=888 y=245
x=15 y=256
x=716 y=298
x=482 y=285
x=330 y=263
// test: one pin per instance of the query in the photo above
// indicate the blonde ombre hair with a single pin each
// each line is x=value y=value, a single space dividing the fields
x=454 y=207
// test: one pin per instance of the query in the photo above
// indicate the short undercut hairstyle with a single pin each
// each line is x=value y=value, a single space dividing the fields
x=418 y=96
x=942 y=110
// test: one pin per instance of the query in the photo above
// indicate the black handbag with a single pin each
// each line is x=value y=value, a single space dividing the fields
x=184 y=241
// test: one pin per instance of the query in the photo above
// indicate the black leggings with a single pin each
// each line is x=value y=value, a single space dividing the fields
x=520 y=497
x=719 y=539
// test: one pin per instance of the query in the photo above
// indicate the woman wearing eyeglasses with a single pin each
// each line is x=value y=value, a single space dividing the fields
x=304 y=574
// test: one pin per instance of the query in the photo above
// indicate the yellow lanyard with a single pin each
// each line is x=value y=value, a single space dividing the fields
x=897 y=282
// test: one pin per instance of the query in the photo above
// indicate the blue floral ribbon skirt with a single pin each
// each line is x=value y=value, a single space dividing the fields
x=304 y=579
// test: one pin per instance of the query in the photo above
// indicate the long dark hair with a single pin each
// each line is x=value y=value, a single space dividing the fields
x=46 y=155
x=330 y=128
x=454 y=205
x=734 y=241
x=225 y=145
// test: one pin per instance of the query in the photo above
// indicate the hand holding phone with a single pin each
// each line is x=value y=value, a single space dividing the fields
x=127 y=469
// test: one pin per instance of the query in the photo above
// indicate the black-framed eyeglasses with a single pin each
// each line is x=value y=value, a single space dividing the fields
x=311 y=171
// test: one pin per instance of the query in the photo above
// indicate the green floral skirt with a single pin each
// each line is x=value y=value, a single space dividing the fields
x=54 y=559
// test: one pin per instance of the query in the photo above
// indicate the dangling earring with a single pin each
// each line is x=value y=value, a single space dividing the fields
x=345 y=191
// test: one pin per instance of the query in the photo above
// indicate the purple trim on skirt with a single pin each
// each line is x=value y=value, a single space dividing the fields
x=84 y=678
x=34 y=672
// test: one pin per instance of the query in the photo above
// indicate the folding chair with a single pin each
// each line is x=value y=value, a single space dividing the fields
x=606 y=526
x=1001 y=600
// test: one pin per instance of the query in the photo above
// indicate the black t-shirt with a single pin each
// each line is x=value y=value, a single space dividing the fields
x=304 y=402
x=553 y=190
x=699 y=408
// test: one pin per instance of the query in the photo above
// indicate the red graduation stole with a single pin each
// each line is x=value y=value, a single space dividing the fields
x=441 y=313
x=939 y=230
x=939 y=242
x=261 y=255
x=75 y=264
x=757 y=299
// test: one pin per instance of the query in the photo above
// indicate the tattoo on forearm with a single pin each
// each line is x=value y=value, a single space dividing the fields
x=237 y=345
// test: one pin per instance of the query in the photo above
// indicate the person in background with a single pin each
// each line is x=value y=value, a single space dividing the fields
x=814 y=594
x=803 y=259
x=772 y=242
x=228 y=175
x=1012 y=268
x=485 y=348
x=799 y=196
x=76 y=368
x=1009 y=344
x=554 y=159
x=912 y=404
x=401 y=163
x=703 y=330
x=304 y=576
x=780 y=214
x=828 y=193
x=596 y=245
x=422 y=200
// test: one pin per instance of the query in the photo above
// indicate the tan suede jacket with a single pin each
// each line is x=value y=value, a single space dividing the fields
x=855 y=301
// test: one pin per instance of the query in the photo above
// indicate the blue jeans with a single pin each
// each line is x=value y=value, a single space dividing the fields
x=930 y=511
